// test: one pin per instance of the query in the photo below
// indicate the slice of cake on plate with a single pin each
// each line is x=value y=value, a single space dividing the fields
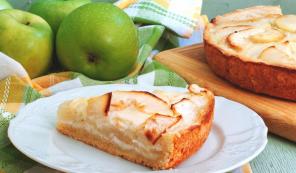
x=157 y=129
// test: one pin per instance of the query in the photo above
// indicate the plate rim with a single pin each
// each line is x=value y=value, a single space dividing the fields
x=17 y=119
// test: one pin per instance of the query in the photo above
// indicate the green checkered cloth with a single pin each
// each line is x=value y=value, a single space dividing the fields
x=180 y=17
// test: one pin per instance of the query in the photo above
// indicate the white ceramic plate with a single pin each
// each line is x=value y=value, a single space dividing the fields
x=238 y=135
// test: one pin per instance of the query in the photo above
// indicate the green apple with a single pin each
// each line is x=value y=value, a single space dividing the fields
x=26 y=38
x=54 y=11
x=4 y=5
x=98 y=40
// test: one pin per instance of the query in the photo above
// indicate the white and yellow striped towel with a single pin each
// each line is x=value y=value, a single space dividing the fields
x=180 y=16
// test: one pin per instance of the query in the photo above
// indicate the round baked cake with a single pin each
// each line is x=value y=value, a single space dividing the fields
x=255 y=48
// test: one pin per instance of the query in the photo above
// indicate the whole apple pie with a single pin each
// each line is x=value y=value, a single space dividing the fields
x=158 y=129
x=255 y=48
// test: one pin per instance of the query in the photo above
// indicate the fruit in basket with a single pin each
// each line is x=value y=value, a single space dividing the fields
x=27 y=38
x=98 y=40
x=4 y=5
x=54 y=11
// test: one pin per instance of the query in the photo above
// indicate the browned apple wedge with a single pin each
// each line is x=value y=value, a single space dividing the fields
x=157 y=124
x=269 y=35
x=187 y=109
x=174 y=97
x=287 y=23
x=99 y=105
x=224 y=31
x=171 y=97
x=141 y=100
x=274 y=55
x=239 y=39
x=195 y=89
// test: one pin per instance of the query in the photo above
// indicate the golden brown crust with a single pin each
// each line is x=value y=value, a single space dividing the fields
x=178 y=146
x=258 y=77
x=187 y=143
x=153 y=134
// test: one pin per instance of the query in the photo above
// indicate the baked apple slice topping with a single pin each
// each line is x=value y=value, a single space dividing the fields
x=141 y=101
x=275 y=55
x=226 y=30
x=223 y=32
x=287 y=23
x=150 y=111
x=135 y=107
x=171 y=97
x=269 y=35
x=187 y=109
x=157 y=125
x=195 y=89
x=99 y=105
x=239 y=39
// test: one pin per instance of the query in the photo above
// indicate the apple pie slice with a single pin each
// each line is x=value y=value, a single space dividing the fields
x=157 y=129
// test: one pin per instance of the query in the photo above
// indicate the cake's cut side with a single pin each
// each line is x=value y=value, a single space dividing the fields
x=134 y=129
x=118 y=149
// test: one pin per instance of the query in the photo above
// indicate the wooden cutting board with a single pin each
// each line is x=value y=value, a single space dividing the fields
x=189 y=62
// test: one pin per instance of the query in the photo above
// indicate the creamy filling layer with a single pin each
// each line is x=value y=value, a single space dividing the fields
x=141 y=148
